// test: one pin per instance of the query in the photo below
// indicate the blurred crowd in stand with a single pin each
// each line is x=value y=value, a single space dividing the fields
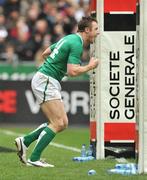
x=27 y=27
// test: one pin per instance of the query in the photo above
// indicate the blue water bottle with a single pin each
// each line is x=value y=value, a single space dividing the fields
x=120 y=171
x=122 y=166
x=90 y=150
x=83 y=151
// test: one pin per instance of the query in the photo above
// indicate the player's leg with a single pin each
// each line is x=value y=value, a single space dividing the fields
x=38 y=85
x=22 y=143
x=58 y=121
x=32 y=136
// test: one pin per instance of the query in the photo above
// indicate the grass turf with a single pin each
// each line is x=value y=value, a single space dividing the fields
x=65 y=168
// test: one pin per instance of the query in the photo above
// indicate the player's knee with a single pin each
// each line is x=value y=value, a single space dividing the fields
x=63 y=124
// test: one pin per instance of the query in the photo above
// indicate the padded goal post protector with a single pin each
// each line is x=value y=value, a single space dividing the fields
x=115 y=82
x=142 y=160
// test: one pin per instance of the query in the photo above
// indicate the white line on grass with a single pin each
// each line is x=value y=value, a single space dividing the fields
x=11 y=133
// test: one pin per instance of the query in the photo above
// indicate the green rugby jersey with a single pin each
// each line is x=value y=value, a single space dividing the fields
x=68 y=50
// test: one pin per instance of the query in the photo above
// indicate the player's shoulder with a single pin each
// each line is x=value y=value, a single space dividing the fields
x=71 y=37
x=74 y=40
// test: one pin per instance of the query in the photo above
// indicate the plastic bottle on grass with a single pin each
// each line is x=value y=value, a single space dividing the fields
x=91 y=172
x=124 y=169
x=89 y=151
x=122 y=166
x=120 y=171
x=128 y=166
x=83 y=150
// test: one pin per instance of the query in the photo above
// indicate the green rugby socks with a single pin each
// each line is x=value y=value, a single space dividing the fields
x=32 y=136
x=44 y=139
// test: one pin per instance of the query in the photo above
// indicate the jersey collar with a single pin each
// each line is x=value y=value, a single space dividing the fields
x=80 y=37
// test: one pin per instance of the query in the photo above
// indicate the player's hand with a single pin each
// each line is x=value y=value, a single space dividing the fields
x=93 y=63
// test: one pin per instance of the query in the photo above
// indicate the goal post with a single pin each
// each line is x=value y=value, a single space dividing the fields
x=142 y=160
x=96 y=126
x=114 y=80
x=118 y=100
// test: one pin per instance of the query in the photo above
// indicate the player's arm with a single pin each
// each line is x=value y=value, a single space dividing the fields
x=76 y=69
x=48 y=51
x=73 y=65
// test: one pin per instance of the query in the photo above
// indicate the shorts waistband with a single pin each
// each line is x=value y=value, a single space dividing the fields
x=51 y=78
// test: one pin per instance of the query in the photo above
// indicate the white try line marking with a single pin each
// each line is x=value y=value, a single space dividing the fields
x=11 y=133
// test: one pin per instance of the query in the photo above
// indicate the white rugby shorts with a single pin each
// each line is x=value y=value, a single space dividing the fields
x=45 y=88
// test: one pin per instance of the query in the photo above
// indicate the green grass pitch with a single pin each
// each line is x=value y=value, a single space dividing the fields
x=65 y=169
